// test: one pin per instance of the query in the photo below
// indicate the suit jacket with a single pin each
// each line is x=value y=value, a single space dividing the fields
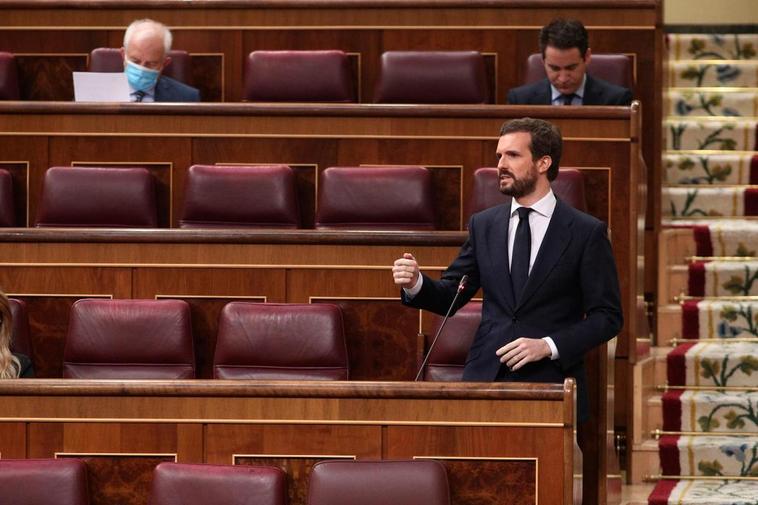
x=27 y=370
x=171 y=90
x=572 y=295
x=596 y=92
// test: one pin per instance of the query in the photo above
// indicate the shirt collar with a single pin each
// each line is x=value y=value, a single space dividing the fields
x=555 y=94
x=544 y=206
x=148 y=92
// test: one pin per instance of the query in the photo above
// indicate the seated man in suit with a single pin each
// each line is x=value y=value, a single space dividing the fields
x=146 y=44
x=546 y=270
x=566 y=54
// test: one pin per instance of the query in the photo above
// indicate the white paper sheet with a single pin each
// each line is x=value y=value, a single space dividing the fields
x=101 y=87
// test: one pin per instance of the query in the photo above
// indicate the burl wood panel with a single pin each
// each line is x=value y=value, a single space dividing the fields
x=298 y=472
x=49 y=77
x=208 y=76
x=492 y=482
x=381 y=338
x=20 y=181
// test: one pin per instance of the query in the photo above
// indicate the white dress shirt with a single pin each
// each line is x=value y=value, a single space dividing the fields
x=539 y=220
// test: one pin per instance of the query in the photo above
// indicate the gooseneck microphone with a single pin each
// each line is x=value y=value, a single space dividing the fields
x=461 y=287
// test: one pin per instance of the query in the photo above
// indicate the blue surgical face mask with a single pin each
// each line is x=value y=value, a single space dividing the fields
x=140 y=78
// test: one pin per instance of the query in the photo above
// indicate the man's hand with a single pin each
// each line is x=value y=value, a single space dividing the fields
x=522 y=351
x=405 y=271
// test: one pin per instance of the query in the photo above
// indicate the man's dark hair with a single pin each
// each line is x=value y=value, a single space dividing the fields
x=545 y=140
x=564 y=34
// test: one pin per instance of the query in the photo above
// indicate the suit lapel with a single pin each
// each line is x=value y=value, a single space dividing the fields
x=553 y=246
x=545 y=95
x=591 y=95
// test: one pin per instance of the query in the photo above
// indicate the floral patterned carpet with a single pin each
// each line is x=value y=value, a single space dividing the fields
x=708 y=443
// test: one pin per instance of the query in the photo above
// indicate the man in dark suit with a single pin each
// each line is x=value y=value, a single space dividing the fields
x=547 y=272
x=566 y=54
x=146 y=45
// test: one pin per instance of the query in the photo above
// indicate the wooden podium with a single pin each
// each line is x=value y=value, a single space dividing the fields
x=501 y=443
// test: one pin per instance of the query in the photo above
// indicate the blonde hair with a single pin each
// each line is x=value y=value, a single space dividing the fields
x=9 y=364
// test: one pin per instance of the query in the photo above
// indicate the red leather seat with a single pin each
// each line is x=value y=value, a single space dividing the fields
x=378 y=483
x=614 y=68
x=109 y=59
x=183 y=484
x=299 y=76
x=43 y=481
x=7 y=203
x=432 y=77
x=9 y=89
x=240 y=197
x=280 y=341
x=568 y=186
x=129 y=339
x=375 y=198
x=20 y=341
x=98 y=197
x=448 y=357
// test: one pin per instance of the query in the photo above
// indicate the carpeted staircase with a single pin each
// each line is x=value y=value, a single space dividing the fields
x=708 y=440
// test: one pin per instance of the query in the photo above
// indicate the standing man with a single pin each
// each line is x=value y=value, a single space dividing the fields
x=566 y=53
x=146 y=46
x=551 y=291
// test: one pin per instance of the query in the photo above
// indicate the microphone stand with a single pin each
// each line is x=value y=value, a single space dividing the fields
x=461 y=287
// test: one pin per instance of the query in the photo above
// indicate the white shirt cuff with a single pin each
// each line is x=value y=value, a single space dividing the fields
x=553 y=349
x=411 y=292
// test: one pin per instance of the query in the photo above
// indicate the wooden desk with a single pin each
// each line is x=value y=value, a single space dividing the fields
x=500 y=442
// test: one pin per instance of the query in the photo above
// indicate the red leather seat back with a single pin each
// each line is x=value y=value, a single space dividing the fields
x=485 y=193
x=98 y=197
x=378 y=483
x=129 y=339
x=43 y=481
x=109 y=59
x=299 y=76
x=280 y=341
x=614 y=68
x=375 y=198
x=184 y=484
x=9 y=89
x=7 y=203
x=240 y=196
x=432 y=77
x=20 y=341
x=448 y=357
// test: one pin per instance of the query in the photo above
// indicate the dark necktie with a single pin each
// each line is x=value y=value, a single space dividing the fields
x=567 y=99
x=139 y=95
x=522 y=251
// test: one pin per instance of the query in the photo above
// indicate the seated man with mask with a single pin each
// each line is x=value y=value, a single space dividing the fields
x=146 y=44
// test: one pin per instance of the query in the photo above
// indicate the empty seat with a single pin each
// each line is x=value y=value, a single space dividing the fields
x=9 y=89
x=98 y=197
x=299 y=76
x=109 y=59
x=375 y=198
x=280 y=341
x=432 y=77
x=43 y=481
x=183 y=484
x=7 y=202
x=240 y=196
x=614 y=68
x=20 y=341
x=378 y=483
x=448 y=357
x=129 y=339
x=485 y=193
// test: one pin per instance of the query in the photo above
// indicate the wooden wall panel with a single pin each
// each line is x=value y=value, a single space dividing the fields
x=14 y=437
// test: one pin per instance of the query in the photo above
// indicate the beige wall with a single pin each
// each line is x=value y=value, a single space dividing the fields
x=710 y=12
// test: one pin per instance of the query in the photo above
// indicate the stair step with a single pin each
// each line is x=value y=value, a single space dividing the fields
x=710 y=102
x=713 y=364
x=713 y=73
x=712 y=412
x=707 y=201
x=704 y=455
x=723 y=278
x=710 y=169
x=704 y=492
x=719 y=319
x=709 y=134
x=721 y=46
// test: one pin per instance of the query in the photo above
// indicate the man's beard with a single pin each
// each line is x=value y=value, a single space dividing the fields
x=521 y=187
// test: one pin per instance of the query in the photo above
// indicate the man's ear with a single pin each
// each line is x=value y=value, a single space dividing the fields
x=543 y=164
x=166 y=61
x=123 y=55
x=588 y=56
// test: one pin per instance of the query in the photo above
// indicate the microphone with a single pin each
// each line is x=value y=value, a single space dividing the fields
x=461 y=287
